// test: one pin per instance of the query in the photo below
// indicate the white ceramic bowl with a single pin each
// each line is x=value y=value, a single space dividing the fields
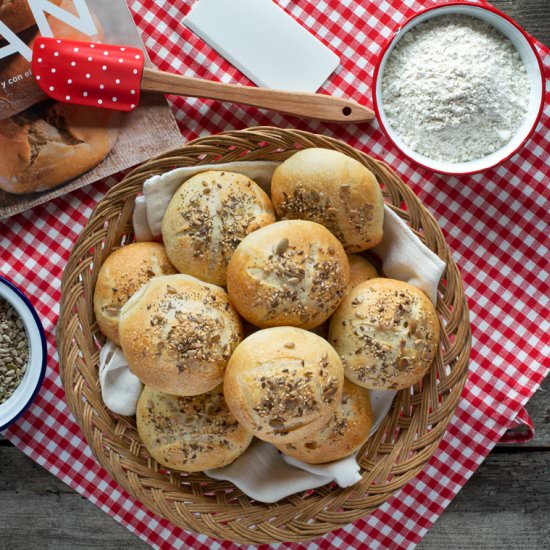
x=529 y=56
x=28 y=388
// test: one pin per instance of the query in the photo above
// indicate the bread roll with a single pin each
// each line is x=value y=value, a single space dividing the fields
x=288 y=273
x=360 y=270
x=52 y=143
x=178 y=333
x=123 y=272
x=347 y=429
x=387 y=334
x=208 y=217
x=283 y=383
x=189 y=433
x=332 y=189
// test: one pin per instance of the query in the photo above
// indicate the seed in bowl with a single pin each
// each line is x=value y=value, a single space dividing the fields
x=14 y=350
x=455 y=89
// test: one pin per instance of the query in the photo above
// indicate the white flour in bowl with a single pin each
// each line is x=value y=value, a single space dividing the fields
x=455 y=89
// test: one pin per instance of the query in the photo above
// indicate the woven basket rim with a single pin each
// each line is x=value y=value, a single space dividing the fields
x=408 y=437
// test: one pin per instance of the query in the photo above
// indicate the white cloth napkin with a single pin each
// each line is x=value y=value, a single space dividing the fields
x=405 y=258
x=267 y=475
x=120 y=388
x=141 y=225
x=262 y=472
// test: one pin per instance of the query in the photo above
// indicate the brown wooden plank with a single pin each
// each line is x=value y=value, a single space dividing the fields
x=39 y=511
x=504 y=506
x=538 y=408
x=532 y=15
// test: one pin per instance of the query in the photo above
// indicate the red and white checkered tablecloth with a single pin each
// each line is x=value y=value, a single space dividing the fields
x=496 y=223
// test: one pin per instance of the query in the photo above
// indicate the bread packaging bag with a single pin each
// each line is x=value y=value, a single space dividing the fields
x=48 y=148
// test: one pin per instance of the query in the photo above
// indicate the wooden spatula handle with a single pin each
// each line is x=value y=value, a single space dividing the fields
x=316 y=106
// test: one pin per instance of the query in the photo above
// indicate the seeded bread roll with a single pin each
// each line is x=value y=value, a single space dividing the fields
x=360 y=270
x=347 y=429
x=283 y=383
x=178 y=333
x=386 y=333
x=123 y=272
x=288 y=273
x=189 y=434
x=332 y=189
x=208 y=217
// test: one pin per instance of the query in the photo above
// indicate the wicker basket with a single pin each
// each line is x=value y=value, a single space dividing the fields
x=404 y=442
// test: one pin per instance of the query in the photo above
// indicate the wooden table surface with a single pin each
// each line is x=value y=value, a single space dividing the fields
x=506 y=504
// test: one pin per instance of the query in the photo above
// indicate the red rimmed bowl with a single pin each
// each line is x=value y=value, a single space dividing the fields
x=529 y=56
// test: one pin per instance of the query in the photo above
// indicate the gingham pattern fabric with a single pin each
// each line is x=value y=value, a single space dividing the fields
x=496 y=223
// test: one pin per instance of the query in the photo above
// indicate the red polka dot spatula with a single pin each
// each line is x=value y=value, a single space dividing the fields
x=109 y=76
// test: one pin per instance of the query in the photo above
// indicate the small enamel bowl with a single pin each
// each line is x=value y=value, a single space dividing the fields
x=29 y=386
x=533 y=65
